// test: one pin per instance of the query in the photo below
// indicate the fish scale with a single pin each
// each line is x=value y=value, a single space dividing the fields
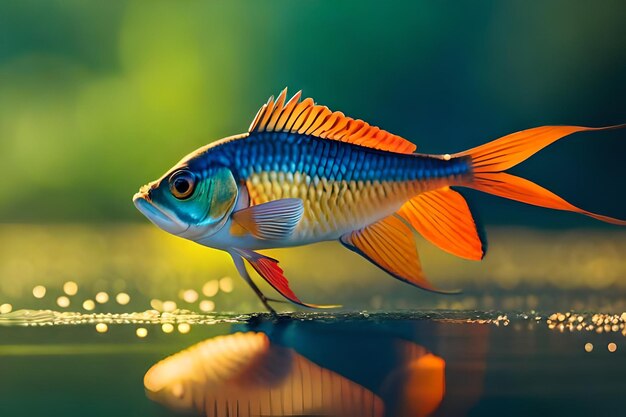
x=376 y=179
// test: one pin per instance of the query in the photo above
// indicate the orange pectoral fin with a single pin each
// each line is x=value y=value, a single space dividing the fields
x=443 y=217
x=269 y=269
x=389 y=244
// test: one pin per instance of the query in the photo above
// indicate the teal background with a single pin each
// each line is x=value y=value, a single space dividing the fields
x=96 y=99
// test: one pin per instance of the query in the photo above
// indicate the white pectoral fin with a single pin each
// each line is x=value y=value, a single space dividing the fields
x=272 y=220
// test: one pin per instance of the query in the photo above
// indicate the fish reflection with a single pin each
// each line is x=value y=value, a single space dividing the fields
x=350 y=369
x=416 y=387
x=244 y=374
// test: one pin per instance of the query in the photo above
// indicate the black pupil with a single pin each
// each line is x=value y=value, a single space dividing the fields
x=181 y=185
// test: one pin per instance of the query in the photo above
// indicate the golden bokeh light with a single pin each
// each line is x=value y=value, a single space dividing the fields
x=210 y=288
x=612 y=347
x=142 y=332
x=63 y=301
x=122 y=298
x=169 y=306
x=226 y=284
x=102 y=297
x=190 y=296
x=207 y=306
x=167 y=328
x=70 y=288
x=39 y=291
x=102 y=327
x=89 y=305
x=156 y=304
x=6 y=308
x=588 y=347
x=184 y=328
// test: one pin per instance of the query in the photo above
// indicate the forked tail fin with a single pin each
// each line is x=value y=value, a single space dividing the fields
x=491 y=159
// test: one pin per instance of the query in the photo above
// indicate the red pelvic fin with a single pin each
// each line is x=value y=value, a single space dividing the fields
x=269 y=269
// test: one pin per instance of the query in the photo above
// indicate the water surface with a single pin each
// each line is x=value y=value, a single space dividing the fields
x=85 y=311
x=495 y=363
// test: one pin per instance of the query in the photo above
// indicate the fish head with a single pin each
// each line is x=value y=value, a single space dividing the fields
x=221 y=365
x=170 y=383
x=192 y=200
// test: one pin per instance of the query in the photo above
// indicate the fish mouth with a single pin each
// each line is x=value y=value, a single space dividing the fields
x=157 y=215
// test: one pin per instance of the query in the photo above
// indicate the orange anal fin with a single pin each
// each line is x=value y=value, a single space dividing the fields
x=519 y=189
x=269 y=269
x=443 y=217
x=389 y=244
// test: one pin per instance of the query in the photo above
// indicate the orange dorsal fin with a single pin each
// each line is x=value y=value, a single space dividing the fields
x=389 y=244
x=306 y=117
x=443 y=217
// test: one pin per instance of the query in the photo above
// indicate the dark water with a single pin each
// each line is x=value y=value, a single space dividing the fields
x=481 y=364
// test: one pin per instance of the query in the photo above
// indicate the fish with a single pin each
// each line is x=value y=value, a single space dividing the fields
x=303 y=174
x=244 y=374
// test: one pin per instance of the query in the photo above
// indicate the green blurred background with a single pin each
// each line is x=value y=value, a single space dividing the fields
x=100 y=97
x=97 y=98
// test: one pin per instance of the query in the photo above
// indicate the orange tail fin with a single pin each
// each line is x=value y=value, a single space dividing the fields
x=490 y=159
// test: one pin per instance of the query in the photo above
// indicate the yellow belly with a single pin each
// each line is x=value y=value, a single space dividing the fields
x=332 y=208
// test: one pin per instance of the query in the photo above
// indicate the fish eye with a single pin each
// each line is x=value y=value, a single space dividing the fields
x=182 y=184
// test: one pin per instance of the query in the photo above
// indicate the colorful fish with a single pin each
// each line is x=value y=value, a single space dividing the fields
x=303 y=174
